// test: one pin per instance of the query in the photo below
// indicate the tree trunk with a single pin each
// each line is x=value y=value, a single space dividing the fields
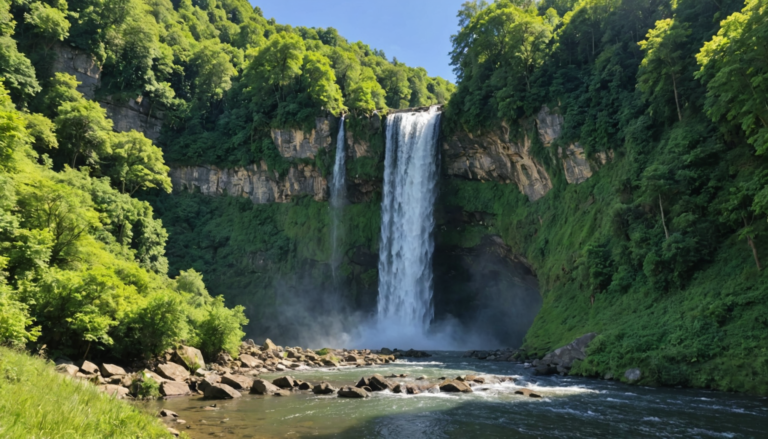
x=663 y=219
x=677 y=100
x=754 y=252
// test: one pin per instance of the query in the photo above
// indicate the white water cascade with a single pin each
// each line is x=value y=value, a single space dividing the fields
x=338 y=198
x=407 y=222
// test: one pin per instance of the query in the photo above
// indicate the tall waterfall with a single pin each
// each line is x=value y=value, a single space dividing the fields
x=407 y=222
x=338 y=198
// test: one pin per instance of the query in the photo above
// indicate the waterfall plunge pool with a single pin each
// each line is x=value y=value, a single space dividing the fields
x=570 y=408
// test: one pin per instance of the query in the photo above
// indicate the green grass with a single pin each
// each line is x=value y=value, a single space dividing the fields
x=37 y=402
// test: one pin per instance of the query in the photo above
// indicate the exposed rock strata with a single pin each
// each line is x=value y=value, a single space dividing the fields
x=136 y=114
x=493 y=157
x=255 y=182
x=295 y=143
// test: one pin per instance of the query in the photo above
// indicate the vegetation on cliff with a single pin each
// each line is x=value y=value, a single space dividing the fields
x=660 y=251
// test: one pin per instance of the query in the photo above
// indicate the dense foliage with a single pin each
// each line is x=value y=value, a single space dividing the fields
x=660 y=251
x=82 y=263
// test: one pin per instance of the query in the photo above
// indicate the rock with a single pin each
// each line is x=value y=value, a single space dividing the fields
x=561 y=360
x=223 y=359
x=633 y=375
x=237 y=382
x=89 y=368
x=608 y=376
x=352 y=392
x=379 y=384
x=454 y=387
x=63 y=360
x=528 y=393
x=149 y=374
x=68 y=369
x=323 y=389
x=385 y=351
x=250 y=361
x=330 y=362
x=364 y=382
x=421 y=378
x=189 y=357
x=221 y=391
x=412 y=353
x=118 y=392
x=173 y=371
x=264 y=387
x=285 y=382
x=268 y=346
x=174 y=388
x=208 y=381
x=110 y=370
x=173 y=432
x=411 y=389
x=305 y=386
x=400 y=388
x=165 y=413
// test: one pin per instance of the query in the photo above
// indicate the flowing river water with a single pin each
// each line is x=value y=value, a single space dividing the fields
x=570 y=408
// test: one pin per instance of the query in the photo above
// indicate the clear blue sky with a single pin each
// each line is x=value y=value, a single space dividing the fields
x=417 y=32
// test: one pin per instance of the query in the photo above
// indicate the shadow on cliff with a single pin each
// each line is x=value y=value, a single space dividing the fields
x=492 y=296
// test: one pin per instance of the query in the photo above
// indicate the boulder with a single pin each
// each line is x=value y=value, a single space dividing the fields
x=173 y=371
x=379 y=384
x=421 y=378
x=264 y=387
x=400 y=388
x=237 y=382
x=221 y=391
x=110 y=370
x=174 y=388
x=352 y=392
x=268 y=346
x=189 y=357
x=412 y=353
x=69 y=369
x=149 y=374
x=364 y=382
x=285 y=382
x=528 y=393
x=165 y=413
x=118 y=392
x=323 y=389
x=454 y=387
x=561 y=360
x=89 y=368
x=305 y=386
x=250 y=362
x=172 y=432
x=633 y=375
x=223 y=359
x=385 y=351
x=208 y=381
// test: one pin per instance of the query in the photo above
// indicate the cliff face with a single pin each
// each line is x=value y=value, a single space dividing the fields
x=255 y=182
x=493 y=157
x=136 y=114
x=297 y=144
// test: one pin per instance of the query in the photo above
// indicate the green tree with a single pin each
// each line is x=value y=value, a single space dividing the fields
x=320 y=80
x=663 y=63
x=734 y=68
x=213 y=71
x=84 y=129
x=50 y=23
x=279 y=62
x=137 y=163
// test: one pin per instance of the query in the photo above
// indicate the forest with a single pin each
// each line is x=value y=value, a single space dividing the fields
x=661 y=251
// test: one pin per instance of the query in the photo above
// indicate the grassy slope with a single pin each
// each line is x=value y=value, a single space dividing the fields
x=37 y=402
x=713 y=333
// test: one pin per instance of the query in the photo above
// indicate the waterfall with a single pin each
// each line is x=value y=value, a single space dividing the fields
x=407 y=222
x=338 y=199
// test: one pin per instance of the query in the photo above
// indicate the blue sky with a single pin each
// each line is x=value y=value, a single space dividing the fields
x=417 y=32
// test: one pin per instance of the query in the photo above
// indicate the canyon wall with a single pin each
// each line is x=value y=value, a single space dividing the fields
x=135 y=114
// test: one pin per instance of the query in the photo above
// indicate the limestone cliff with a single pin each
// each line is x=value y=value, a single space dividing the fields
x=575 y=164
x=492 y=156
x=297 y=144
x=255 y=182
x=136 y=114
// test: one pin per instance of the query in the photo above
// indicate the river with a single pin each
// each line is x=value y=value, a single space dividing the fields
x=570 y=408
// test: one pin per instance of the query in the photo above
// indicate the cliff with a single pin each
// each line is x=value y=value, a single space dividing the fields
x=135 y=114
x=254 y=182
